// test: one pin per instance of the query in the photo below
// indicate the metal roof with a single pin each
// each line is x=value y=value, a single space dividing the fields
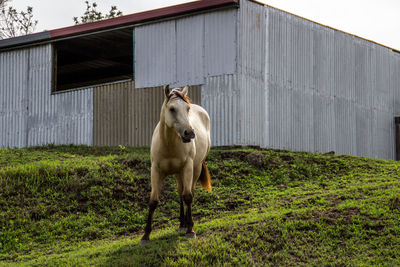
x=132 y=19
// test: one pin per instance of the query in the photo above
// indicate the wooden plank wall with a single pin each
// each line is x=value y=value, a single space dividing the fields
x=125 y=115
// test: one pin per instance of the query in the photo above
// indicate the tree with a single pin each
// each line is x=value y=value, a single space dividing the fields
x=91 y=14
x=3 y=3
x=2 y=6
x=15 y=23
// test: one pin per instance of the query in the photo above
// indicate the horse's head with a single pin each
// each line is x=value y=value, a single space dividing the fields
x=176 y=110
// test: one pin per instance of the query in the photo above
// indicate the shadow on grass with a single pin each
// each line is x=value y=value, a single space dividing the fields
x=151 y=254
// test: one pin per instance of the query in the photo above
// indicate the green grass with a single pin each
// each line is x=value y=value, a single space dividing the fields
x=78 y=205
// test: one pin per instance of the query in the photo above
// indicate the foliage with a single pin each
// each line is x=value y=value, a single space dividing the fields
x=79 y=205
x=3 y=3
x=15 y=23
x=92 y=14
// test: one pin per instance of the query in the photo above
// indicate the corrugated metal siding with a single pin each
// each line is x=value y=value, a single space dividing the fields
x=145 y=107
x=323 y=66
x=30 y=114
x=65 y=118
x=251 y=40
x=41 y=115
x=74 y=124
x=111 y=114
x=220 y=42
x=251 y=63
x=185 y=50
x=220 y=97
x=364 y=123
x=363 y=81
x=190 y=45
x=324 y=128
x=382 y=135
x=345 y=127
x=329 y=90
x=125 y=115
x=195 y=94
x=381 y=80
x=290 y=85
x=251 y=107
x=267 y=78
x=13 y=98
x=395 y=82
x=155 y=54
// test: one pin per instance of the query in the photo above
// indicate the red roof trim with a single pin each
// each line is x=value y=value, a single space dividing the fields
x=143 y=16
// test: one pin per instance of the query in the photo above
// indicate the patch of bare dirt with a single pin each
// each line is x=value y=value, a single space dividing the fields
x=136 y=164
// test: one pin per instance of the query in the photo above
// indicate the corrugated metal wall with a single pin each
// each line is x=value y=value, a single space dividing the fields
x=13 y=98
x=328 y=90
x=32 y=115
x=186 y=50
x=266 y=78
x=220 y=96
x=236 y=103
x=125 y=115
x=301 y=86
x=111 y=114
x=145 y=110
x=220 y=42
x=251 y=67
x=65 y=118
x=395 y=83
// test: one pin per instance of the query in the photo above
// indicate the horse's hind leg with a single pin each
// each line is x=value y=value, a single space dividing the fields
x=156 y=186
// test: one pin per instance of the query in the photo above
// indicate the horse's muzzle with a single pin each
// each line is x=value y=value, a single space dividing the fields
x=187 y=136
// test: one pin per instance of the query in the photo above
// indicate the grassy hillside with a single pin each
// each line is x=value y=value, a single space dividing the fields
x=81 y=205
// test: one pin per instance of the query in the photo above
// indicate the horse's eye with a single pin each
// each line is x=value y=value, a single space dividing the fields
x=172 y=109
x=188 y=109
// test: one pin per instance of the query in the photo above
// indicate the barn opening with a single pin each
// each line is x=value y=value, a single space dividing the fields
x=93 y=59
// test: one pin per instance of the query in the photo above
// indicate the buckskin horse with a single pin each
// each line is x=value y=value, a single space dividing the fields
x=179 y=147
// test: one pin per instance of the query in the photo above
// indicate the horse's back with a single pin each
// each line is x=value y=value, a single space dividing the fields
x=201 y=113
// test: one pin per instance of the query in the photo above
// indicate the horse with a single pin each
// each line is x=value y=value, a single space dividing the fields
x=179 y=147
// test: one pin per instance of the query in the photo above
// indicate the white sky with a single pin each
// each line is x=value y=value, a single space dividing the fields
x=376 y=20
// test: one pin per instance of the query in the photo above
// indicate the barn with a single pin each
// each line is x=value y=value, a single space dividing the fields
x=267 y=78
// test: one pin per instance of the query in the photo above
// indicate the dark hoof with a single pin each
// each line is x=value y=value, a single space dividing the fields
x=191 y=235
x=181 y=229
x=144 y=242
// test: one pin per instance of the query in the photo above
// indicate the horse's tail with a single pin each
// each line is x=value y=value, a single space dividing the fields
x=204 y=178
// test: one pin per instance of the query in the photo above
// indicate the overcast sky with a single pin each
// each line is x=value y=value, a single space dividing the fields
x=376 y=20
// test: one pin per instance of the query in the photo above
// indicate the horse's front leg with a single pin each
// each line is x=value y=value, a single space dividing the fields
x=156 y=186
x=182 y=219
x=187 y=196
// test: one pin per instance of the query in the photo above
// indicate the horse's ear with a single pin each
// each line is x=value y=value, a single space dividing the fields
x=185 y=90
x=167 y=91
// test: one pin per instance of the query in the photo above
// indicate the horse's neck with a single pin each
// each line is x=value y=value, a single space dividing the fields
x=168 y=136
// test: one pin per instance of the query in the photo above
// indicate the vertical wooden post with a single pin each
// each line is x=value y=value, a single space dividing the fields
x=397 y=141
